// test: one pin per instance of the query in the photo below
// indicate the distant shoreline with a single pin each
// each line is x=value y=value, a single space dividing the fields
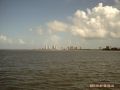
x=57 y=50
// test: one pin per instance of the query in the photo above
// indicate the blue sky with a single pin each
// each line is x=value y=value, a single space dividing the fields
x=36 y=23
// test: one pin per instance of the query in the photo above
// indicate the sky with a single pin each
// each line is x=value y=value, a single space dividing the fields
x=34 y=24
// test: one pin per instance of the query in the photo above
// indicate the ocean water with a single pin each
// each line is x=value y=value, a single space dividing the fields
x=57 y=70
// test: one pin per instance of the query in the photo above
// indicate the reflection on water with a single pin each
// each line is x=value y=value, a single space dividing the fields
x=57 y=70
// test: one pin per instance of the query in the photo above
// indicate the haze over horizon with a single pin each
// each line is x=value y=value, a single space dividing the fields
x=31 y=24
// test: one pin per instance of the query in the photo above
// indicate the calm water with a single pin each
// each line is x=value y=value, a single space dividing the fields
x=57 y=70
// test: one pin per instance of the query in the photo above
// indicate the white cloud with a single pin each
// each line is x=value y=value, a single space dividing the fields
x=5 y=39
x=21 y=41
x=57 y=26
x=99 y=22
x=2 y=37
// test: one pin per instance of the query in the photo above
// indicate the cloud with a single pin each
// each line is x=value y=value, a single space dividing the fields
x=99 y=22
x=2 y=37
x=57 y=26
x=5 y=39
x=20 y=41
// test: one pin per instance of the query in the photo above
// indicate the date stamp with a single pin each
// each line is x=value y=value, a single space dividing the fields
x=101 y=85
x=104 y=84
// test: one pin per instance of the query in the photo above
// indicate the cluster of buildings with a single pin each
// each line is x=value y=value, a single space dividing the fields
x=67 y=48
x=54 y=47
x=72 y=48
x=111 y=48
x=49 y=48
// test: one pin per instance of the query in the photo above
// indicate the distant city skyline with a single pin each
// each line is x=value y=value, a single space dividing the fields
x=32 y=24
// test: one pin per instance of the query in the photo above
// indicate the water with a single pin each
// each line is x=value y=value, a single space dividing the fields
x=57 y=70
